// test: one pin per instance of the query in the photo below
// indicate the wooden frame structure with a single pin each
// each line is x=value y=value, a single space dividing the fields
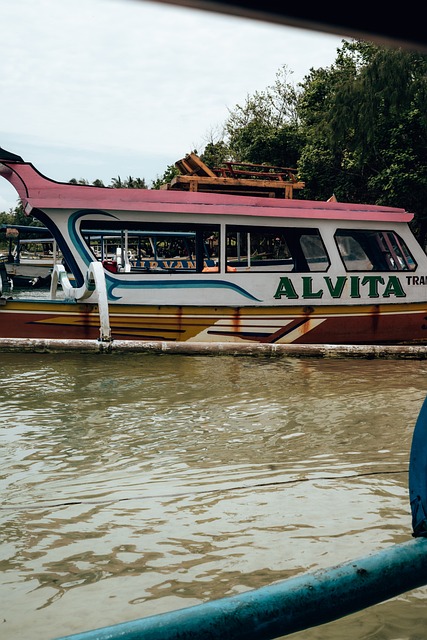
x=237 y=178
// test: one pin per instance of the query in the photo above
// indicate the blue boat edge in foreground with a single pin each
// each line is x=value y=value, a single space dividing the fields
x=307 y=600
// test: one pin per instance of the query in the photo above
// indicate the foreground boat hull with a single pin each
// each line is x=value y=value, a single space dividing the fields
x=364 y=324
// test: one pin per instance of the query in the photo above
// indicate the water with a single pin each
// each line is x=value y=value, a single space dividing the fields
x=138 y=484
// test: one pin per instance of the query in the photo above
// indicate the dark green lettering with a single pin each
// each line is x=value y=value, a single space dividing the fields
x=285 y=288
x=394 y=287
x=354 y=287
x=373 y=282
x=336 y=291
x=307 y=291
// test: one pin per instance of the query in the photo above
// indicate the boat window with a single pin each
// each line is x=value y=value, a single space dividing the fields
x=365 y=250
x=160 y=249
x=275 y=249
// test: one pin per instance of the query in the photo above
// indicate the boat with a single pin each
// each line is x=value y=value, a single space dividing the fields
x=232 y=255
x=31 y=256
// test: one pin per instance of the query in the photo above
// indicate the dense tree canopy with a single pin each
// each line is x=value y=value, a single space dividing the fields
x=365 y=120
x=357 y=129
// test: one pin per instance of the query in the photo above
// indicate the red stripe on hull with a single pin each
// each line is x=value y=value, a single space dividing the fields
x=32 y=325
x=344 y=328
x=382 y=329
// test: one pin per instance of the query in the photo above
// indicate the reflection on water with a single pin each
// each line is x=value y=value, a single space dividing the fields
x=138 y=484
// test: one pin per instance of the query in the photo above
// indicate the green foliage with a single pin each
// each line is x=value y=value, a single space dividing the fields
x=98 y=183
x=129 y=183
x=215 y=154
x=7 y=217
x=356 y=129
x=167 y=177
x=116 y=183
x=266 y=129
x=16 y=216
x=80 y=181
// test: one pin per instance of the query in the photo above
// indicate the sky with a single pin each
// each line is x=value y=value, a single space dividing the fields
x=106 y=88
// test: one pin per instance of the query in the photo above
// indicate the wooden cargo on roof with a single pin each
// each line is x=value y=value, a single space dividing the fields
x=235 y=178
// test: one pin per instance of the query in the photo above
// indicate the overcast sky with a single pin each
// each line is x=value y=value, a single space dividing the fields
x=106 y=88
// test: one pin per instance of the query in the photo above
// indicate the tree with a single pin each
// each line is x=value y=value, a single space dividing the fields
x=17 y=216
x=170 y=172
x=267 y=128
x=7 y=217
x=365 y=122
x=134 y=183
x=117 y=183
x=80 y=181
x=215 y=154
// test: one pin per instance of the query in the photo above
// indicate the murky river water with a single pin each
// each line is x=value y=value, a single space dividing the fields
x=134 y=485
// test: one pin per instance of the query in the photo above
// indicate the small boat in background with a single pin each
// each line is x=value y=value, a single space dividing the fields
x=220 y=256
x=31 y=256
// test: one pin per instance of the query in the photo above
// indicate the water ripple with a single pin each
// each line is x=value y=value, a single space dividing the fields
x=142 y=484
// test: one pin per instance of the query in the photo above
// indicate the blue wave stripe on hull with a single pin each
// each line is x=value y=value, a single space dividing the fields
x=166 y=284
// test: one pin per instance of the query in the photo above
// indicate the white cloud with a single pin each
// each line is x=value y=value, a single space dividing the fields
x=137 y=82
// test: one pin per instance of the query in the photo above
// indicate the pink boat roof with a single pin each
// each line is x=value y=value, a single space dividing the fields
x=40 y=192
